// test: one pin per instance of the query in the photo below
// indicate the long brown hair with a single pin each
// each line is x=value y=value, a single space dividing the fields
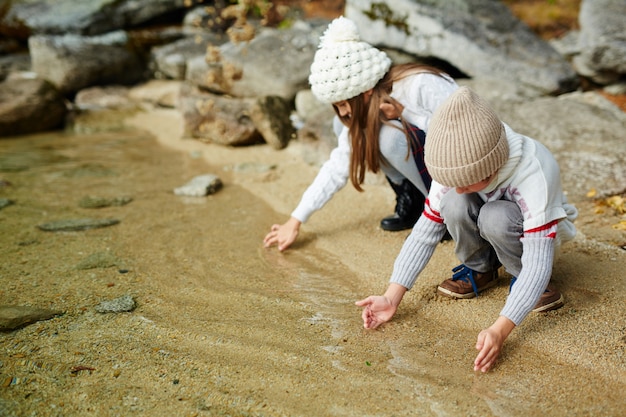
x=366 y=120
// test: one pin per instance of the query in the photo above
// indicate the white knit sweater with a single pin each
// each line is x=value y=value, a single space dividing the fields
x=420 y=95
x=531 y=179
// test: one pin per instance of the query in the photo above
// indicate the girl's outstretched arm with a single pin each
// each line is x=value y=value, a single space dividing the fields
x=283 y=235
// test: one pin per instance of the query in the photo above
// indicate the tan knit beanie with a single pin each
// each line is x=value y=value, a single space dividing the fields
x=466 y=141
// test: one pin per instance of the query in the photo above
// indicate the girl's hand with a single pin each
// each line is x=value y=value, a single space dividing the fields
x=391 y=111
x=283 y=235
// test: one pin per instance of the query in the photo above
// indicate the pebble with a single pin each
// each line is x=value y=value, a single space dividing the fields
x=100 y=202
x=200 y=186
x=118 y=305
x=5 y=202
x=14 y=316
x=76 y=224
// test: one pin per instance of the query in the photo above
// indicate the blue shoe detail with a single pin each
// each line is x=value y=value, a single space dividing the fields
x=465 y=274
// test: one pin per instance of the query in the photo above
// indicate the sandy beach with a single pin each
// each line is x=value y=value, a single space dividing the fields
x=224 y=326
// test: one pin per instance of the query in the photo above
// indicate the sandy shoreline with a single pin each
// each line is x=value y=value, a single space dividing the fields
x=589 y=271
x=227 y=327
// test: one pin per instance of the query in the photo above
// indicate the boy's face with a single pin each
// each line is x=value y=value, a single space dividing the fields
x=474 y=188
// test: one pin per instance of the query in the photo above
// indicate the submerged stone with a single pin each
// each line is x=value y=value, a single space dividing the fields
x=99 y=202
x=13 y=317
x=98 y=260
x=5 y=202
x=118 y=305
x=76 y=224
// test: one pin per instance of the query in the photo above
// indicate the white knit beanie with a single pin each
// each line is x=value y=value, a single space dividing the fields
x=466 y=141
x=345 y=67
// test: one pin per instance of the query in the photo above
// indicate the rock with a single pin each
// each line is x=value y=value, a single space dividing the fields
x=170 y=61
x=23 y=101
x=73 y=62
x=273 y=63
x=109 y=97
x=584 y=131
x=217 y=119
x=13 y=317
x=100 y=202
x=159 y=93
x=22 y=19
x=122 y=304
x=479 y=38
x=98 y=260
x=200 y=186
x=71 y=225
x=602 y=40
x=5 y=202
x=270 y=116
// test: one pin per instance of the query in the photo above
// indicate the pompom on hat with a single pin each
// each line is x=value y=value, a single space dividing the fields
x=466 y=141
x=344 y=66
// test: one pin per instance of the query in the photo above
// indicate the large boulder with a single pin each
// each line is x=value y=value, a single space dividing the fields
x=602 y=40
x=235 y=121
x=74 y=62
x=29 y=106
x=24 y=18
x=275 y=62
x=478 y=37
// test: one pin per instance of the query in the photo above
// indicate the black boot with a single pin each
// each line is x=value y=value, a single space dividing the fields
x=409 y=206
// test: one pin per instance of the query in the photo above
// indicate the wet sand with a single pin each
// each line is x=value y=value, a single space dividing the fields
x=226 y=327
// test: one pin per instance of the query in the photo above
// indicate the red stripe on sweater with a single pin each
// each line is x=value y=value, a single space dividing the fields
x=544 y=227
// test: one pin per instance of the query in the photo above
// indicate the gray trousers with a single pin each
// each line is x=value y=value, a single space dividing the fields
x=486 y=234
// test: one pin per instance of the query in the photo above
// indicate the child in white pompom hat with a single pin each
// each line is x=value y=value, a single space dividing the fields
x=384 y=111
x=499 y=195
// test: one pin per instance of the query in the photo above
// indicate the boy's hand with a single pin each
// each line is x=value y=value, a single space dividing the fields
x=379 y=309
x=490 y=343
x=376 y=311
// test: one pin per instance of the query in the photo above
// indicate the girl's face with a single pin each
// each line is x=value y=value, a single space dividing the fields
x=344 y=109
x=474 y=188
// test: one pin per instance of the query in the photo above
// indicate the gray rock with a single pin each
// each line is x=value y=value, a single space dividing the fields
x=100 y=202
x=602 y=41
x=478 y=37
x=23 y=101
x=98 y=260
x=584 y=131
x=70 y=225
x=270 y=115
x=13 y=317
x=74 y=62
x=170 y=61
x=274 y=63
x=217 y=119
x=108 y=97
x=5 y=202
x=200 y=186
x=121 y=304
x=87 y=17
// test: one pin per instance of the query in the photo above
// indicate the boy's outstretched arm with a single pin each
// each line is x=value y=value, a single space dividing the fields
x=379 y=309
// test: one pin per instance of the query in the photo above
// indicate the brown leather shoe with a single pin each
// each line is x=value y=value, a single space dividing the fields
x=551 y=299
x=467 y=283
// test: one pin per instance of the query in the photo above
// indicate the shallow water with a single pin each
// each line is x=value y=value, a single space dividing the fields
x=223 y=325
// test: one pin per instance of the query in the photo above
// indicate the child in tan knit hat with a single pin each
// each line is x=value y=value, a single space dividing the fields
x=383 y=112
x=499 y=195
